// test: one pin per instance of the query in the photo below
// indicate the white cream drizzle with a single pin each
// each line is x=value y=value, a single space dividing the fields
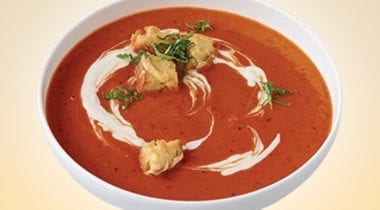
x=122 y=130
x=192 y=145
x=96 y=75
x=194 y=80
x=116 y=112
x=252 y=73
x=244 y=161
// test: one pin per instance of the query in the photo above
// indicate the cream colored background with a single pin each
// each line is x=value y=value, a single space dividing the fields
x=31 y=178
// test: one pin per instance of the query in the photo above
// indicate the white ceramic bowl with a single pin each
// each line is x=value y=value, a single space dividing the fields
x=257 y=10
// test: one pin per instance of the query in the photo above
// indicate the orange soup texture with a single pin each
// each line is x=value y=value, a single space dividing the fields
x=303 y=125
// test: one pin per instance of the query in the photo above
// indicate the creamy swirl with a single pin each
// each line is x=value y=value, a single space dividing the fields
x=121 y=129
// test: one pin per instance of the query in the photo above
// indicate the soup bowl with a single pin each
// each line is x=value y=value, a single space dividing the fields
x=256 y=10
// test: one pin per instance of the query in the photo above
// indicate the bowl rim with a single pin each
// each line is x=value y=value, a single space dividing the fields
x=59 y=151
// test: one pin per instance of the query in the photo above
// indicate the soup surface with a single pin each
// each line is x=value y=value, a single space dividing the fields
x=235 y=138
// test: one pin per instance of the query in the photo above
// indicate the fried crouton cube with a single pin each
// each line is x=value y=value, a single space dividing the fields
x=153 y=73
x=201 y=52
x=143 y=39
x=159 y=156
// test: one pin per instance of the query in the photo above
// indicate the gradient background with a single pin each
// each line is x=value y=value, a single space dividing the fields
x=31 y=177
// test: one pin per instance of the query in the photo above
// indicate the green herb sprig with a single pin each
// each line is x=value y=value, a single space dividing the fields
x=124 y=95
x=273 y=92
x=201 y=26
x=175 y=46
x=176 y=51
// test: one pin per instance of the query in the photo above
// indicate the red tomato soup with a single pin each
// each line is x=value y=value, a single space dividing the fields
x=237 y=134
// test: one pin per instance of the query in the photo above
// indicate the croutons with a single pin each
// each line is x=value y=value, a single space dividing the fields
x=142 y=39
x=201 y=52
x=153 y=73
x=159 y=156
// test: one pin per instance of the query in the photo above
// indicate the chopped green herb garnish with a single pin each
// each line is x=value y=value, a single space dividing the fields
x=134 y=59
x=124 y=95
x=176 y=51
x=273 y=92
x=175 y=46
x=201 y=26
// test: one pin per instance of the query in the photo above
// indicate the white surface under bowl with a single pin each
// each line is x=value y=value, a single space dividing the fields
x=256 y=10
